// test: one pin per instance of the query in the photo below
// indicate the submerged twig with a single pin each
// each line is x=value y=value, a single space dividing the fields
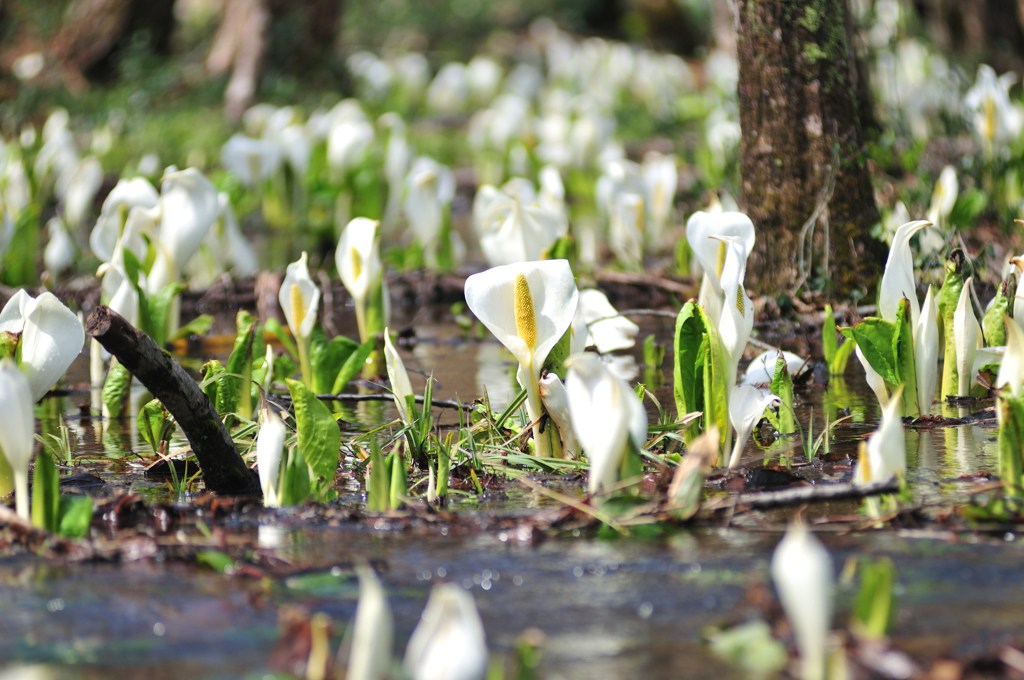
x=440 y=403
x=810 y=494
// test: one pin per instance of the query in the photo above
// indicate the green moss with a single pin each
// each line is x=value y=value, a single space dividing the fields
x=811 y=20
x=813 y=53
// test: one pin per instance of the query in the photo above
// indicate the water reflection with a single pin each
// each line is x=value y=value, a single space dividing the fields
x=495 y=374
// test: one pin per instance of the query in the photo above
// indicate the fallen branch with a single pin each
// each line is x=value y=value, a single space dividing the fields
x=809 y=494
x=223 y=469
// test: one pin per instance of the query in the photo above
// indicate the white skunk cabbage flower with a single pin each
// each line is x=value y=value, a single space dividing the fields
x=926 y=352
x=737 y=318
x=17 y=429
x=373 y=629
x=802 y=572
x=528 y=306
x=483 y=76
x=269 y=453
x=746 y=406
x=556 y=402
x=761 y=369
x=401 y=387
x=606 y=415
x=1011 y=369
x=347 y=144
x=429 y=188
x=126 y=194
x=711 y=253
x=996 y=119
x=296 y=147
x=80 y=191
x=449 y=90
x=598 y=324
x=51 y=337
x=299 y=299
x=359 y=265
x=551 y=196
x=944 y=196
x=965 y=338
x=661 y=179
x=59 y=253
x=887 y=447
x=449 y=641
x=188 y=208
x=251 y=160
x=626 y=235
x=511 y=229
x=875 y=380
x=898 y=278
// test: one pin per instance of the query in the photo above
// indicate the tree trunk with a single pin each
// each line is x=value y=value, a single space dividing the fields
x=800 y=149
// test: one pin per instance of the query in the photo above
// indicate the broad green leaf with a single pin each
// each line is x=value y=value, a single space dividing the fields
x=353 y=364
x=688 y=372
x=233 y=393
x=328 y=359
x=18 y=265
x=399 y=483
x=152 y=420
x=903 y=347
x=75 y=516
x=159 y=308
x=992 y=323
x=876 y=339
x=715 y=390
x=957 y=267
x=200 y=325
x=378 y=485
x=1010 y=412
x=115 y=388
x=829 y=344
x=875 y=610
x=46 y=494
x=376 y=309
x=295 y=486
x=319 y=437
x=211 y=382
x=782 y=387
x=216 y=560
x=842 y=357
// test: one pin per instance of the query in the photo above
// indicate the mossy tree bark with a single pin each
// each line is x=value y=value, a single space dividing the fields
x=801 y=146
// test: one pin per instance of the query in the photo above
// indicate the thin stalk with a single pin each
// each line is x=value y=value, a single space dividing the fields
x=6 y=476
x=307 y=370
x=534 y=409
x=21 y=494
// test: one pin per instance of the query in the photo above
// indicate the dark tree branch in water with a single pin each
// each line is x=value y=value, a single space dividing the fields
x=813 y=494
x=223 y=469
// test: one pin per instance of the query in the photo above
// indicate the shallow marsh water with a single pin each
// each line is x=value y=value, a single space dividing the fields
x=608 y=608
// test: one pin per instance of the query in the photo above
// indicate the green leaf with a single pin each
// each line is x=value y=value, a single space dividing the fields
x=18 y=264
x=842 y=357
x=295 y=486
x=829 y=344
x=46 y=494
x=969 y=204
x=327 y=359
x=274 y=327
x=688 y=371
x=75 y=516
x=319 y=437
x=782 y=387
x=716 y=394
x=233 y=393
x=115 y=388
x=654 y=353
x=353 y=364
x=378 y=486
x=200 y=325
x=210 y=373
x=152 y=421
x=9 y=344
x=216 y=560
x=875 y=610
x=903 y=347
x=399 y=483
x=1010 y=412
x=158 y=306
x=992 y=323
x=876 y=339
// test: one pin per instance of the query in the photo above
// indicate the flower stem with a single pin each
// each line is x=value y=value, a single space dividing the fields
x=6 y=476
x=21 y=494
x=307 y=370
x=534 y=409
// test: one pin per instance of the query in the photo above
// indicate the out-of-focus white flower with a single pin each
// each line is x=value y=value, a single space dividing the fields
x=59 y=254
x=449 y=90
x=17 y=429
x=374 y=77
x=149 y=165
x=80 y=190
x=449 y=641
x=626 y=235
x=250 y=159
x=802 y=572
x=886 y=449
x=370 y=658
x=269 y=453
x=413 y=73
x=349 y=138
x=995 y=118
x=661 y=178
x=943 y=200
x=483 y=76
x=429 y=189
x=512 y=228
x=28 y=66
x=600 y=325
x=894 y=220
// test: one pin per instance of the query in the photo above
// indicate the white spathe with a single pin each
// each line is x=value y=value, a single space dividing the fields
x=251 y=160
x=746 y=406
x=761 y=370
x=188 y=208
x=372 y=631
x=1011 y=369
x=359 y=265
x=898 y=278
x=299 y=298
x=401 y=387
x=965 y=339
x=887 y=447
x=126 y=194
x=511 y=229
x=605 y=414
x=556 y=402
x=17 y=429
x=449 y=642
x=602 y=325
x=269 y=453
x=51 y=337
x=926 y=352
x=802 y=571
x=711 y=253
